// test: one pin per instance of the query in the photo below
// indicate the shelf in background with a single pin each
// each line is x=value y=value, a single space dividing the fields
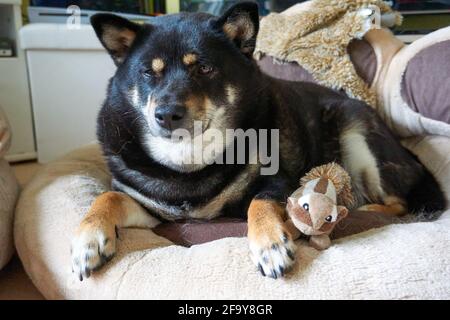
x=9 y=59
x=17 y=2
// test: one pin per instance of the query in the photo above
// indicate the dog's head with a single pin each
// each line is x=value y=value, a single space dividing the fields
x=184 y=68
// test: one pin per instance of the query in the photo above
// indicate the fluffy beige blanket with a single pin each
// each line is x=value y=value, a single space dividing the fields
x=317 y=37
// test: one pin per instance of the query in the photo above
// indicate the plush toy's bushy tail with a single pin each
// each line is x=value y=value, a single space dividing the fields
x=426 y=197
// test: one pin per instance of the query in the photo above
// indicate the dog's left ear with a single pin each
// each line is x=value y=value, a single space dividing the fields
x=240 y=24
x=115 y=33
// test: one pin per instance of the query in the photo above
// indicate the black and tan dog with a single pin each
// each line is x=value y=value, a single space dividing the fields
x=196 y=67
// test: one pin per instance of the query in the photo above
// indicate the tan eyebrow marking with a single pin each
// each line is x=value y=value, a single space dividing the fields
x=189 y=58
x=157 y=65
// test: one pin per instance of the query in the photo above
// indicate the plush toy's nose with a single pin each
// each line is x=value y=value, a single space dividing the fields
x=298 y=213
x=317 y=222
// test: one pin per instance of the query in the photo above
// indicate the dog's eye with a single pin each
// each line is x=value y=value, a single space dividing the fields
x=329 y=219
x=204 y=69
x=306 y=206
x=147 y=73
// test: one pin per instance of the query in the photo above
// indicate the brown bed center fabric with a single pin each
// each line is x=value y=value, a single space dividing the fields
x=426 y=82
x=188 y=233
x=361 y=54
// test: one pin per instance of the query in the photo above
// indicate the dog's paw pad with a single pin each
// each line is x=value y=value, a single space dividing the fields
x=90 y=249
x=273 y=258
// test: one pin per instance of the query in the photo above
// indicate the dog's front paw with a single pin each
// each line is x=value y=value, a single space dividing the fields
x=273 y=253
x=91 y=248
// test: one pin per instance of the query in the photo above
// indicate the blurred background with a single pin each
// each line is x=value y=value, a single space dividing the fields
x=150 y=7
x=421 y=16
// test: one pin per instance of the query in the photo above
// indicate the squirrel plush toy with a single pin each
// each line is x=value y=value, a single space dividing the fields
x=319 y=204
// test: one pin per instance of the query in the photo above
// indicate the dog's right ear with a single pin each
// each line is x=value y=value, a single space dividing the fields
x=240 y=23
x=115 y=33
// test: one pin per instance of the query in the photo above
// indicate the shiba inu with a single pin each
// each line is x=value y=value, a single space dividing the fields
x=192 y=68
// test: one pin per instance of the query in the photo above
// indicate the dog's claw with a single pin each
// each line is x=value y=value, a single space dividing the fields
x=261 y=270
x=275 y=259
x=281 y=271
x=290 y=254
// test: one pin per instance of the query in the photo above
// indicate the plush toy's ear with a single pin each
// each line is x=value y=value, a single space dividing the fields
x=240 y=24
x=342 y=212
x=115 y=33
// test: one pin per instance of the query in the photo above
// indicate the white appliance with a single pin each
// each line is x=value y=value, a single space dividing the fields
x=68 y=73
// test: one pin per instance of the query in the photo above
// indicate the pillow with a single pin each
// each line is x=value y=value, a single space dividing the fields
x=416 y=86
x=426 y=82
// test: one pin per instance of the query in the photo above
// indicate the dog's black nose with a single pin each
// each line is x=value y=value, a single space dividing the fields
x=170 y=117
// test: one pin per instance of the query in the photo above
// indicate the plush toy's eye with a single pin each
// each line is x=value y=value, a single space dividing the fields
x=329 y=219
x=306 y=206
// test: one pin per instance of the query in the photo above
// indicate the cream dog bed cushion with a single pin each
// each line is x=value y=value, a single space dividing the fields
x=403 y=261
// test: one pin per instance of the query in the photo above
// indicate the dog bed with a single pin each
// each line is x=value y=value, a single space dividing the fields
x=9 y=191
x=399 y=261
